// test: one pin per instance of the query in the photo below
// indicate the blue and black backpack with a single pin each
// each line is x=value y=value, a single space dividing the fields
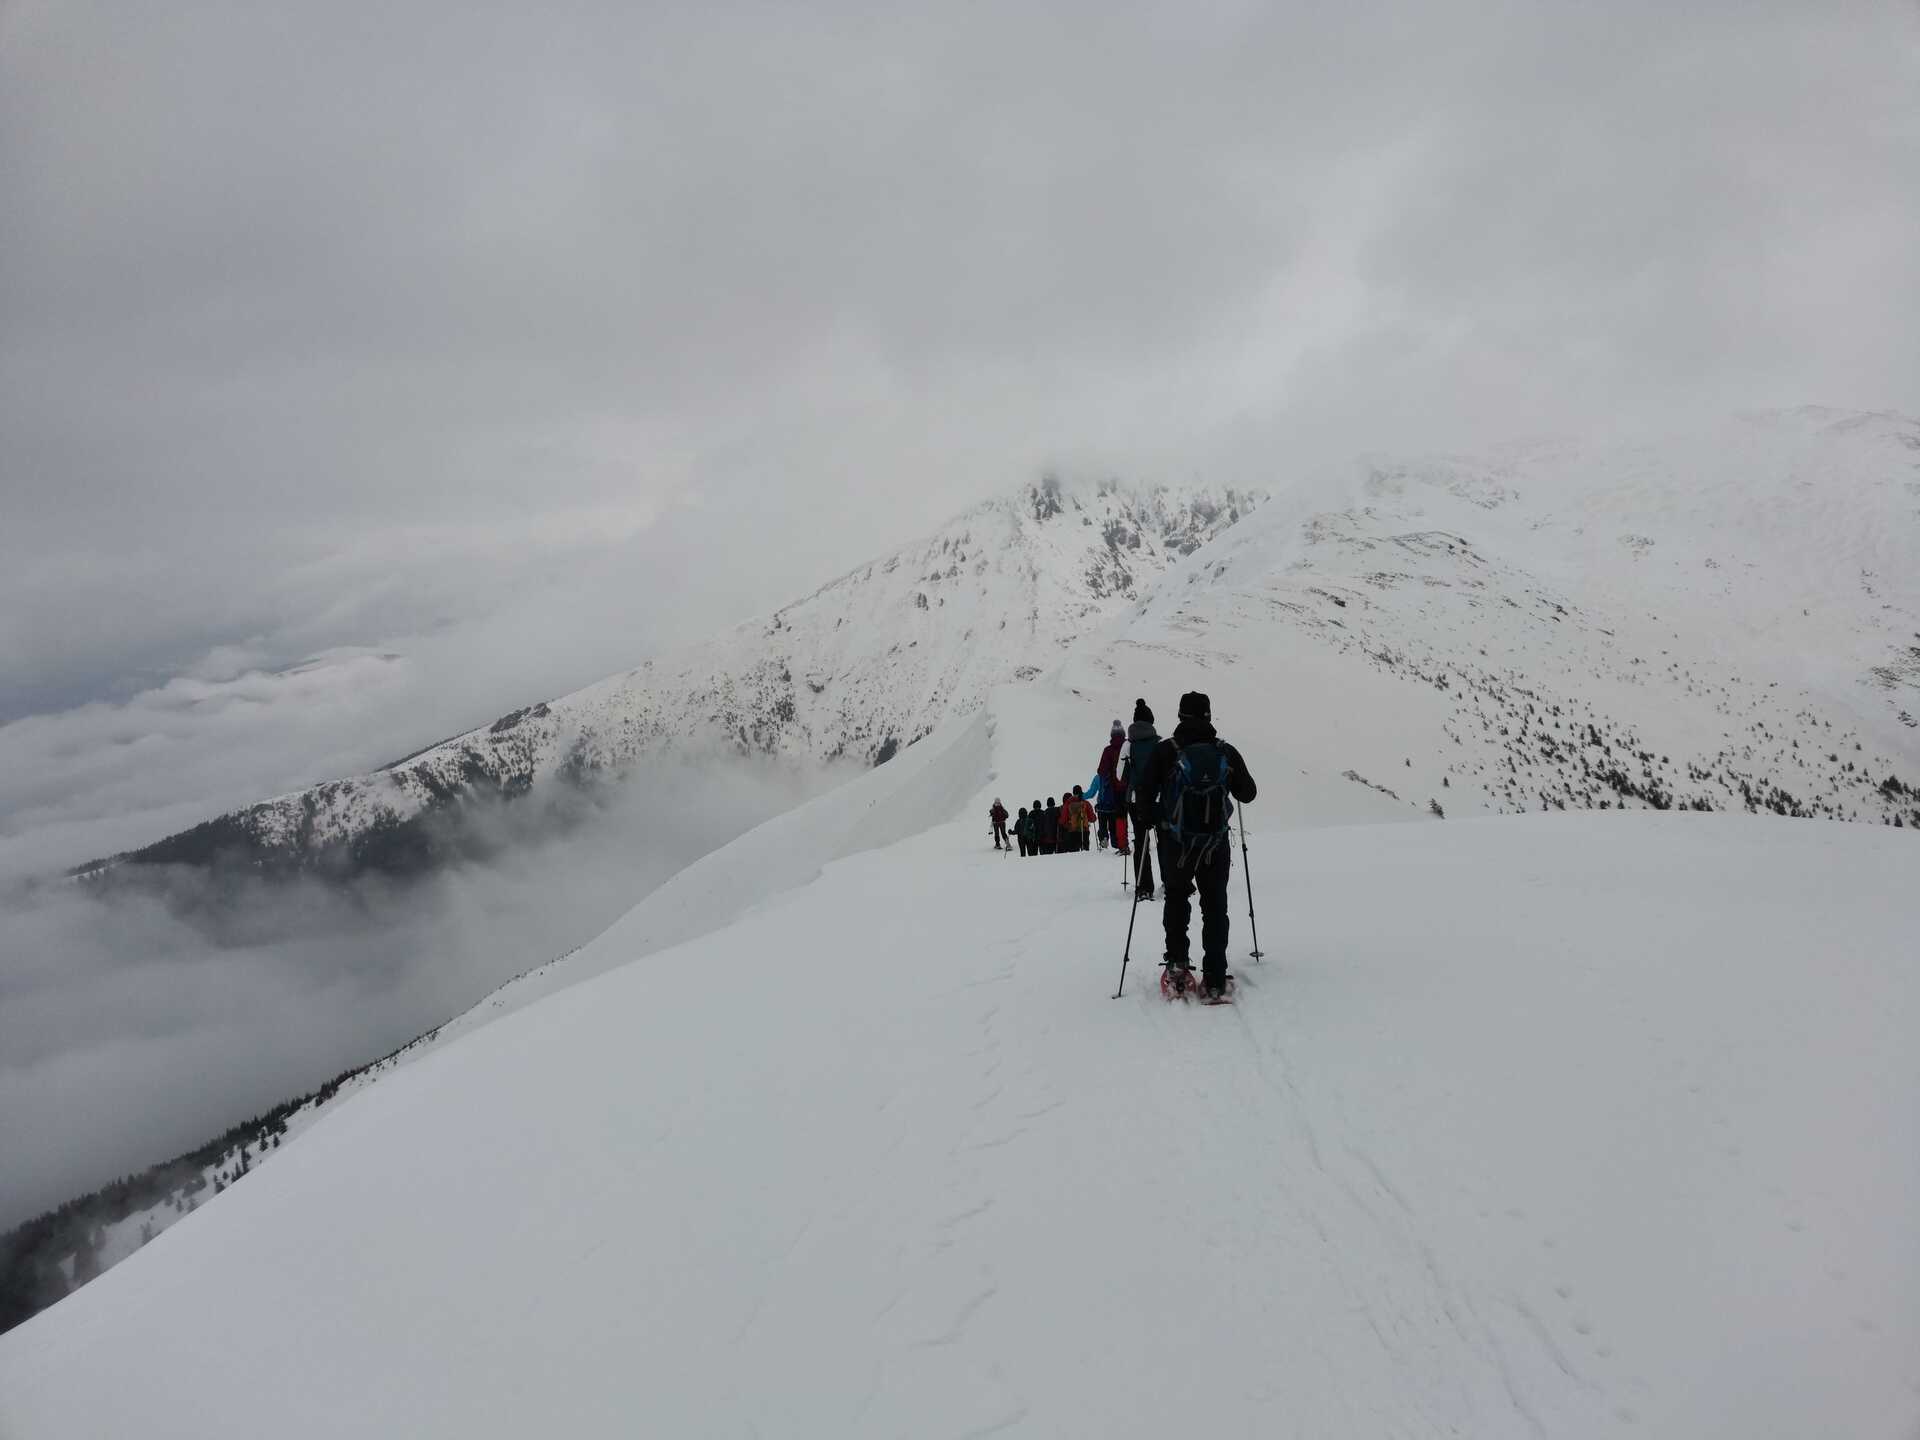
x=1195 y=805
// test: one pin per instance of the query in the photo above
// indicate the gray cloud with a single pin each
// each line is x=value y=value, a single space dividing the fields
x=296 y=291
x=139 y=1021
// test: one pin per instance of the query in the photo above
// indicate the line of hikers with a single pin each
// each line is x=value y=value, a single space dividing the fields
x=1059 y=826
x=1181 y=789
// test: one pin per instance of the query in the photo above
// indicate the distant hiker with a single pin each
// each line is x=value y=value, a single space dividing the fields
x=1141 y=740
x=999 y=817
x=1185 y=790
x=1073 y=821
x=1020 y=831
x=1034 y=819
x=1110 y=801
x=1089 y=820
x=1050 y=828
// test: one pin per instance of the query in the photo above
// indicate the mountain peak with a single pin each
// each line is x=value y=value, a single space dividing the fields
x=854 y=672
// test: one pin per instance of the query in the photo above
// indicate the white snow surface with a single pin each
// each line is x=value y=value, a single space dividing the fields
x=1527 y=1126
x=1532 y=1125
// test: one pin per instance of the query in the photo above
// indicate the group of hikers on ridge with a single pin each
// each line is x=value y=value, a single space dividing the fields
x=1180 y=789
x=1063 y=824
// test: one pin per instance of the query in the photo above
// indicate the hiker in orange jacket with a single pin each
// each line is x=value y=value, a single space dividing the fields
x=1076 y=815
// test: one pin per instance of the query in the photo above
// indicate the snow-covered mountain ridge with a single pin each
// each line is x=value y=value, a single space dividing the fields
x=1701 y=623
x=854 y=672
x=1570 y=1125
x=1728 y=620
x=1728 y=617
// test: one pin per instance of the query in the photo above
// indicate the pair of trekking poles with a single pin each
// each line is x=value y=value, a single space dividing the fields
x=1253 y=925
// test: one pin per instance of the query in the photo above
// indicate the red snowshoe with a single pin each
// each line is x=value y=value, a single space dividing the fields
x=1182 y=982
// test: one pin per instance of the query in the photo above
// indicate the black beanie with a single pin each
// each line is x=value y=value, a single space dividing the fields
x=1141 y=713
x=1195 y=706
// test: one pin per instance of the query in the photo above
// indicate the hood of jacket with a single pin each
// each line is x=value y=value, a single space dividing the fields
x=1188 y=731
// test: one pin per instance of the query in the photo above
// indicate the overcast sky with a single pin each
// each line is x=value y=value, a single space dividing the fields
x=479 y=350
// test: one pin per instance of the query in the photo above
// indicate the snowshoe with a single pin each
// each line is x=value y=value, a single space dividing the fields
x=1177 y=981
x=1221 y=994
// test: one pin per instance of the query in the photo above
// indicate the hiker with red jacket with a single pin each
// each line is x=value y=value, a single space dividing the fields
x=1109 y=800
x=999 y=817
x=1187 y=792
x=1073 y=821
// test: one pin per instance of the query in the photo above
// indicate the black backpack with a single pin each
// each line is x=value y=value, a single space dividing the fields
x=1195 y=804
x=1139 y=757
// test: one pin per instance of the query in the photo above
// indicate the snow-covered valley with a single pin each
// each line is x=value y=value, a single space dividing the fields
x=1529 y=1124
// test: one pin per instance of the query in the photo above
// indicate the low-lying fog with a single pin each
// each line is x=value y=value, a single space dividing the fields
x=141 y=1018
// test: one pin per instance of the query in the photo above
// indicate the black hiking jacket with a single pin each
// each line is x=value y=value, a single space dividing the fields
x=1239 y=780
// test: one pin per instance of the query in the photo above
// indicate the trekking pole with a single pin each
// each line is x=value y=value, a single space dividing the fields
x=1252 y=924
x=1132 y=912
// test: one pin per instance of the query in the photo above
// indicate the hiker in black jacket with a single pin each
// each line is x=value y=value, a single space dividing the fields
x=1050 y=828
x=1183 y=793
x=1142 y=741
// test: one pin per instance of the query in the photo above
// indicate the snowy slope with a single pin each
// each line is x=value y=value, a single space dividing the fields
x=1530 y=1125
x=1386 y=690
x=1729 y=620
x=856 y=671
x=1561 y=1125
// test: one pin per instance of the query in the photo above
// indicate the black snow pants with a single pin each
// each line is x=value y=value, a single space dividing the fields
x=1183 y=869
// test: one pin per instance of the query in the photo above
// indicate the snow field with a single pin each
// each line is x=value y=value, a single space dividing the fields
x=1569 y=1125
